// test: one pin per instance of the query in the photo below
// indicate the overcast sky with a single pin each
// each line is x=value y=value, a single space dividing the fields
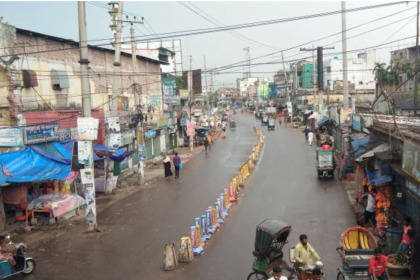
x=60 y=19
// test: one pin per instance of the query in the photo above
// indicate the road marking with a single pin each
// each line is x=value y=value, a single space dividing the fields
x=226 y=157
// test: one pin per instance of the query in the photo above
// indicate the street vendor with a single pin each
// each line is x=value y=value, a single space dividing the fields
x=305 y=255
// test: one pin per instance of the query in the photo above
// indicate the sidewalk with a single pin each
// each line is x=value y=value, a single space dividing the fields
x=127 y=185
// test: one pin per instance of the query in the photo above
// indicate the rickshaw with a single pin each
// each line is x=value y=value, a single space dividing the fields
x=325 y=163
x=270 y=238
x=297 y=122
x=271 y=124
x=232 y=125
x=356 y=250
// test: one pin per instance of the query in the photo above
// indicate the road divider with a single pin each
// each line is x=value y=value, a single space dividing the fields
x=209 y=224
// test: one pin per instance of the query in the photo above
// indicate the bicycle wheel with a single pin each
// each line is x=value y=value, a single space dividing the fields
x=340 y=276
x=256 y=275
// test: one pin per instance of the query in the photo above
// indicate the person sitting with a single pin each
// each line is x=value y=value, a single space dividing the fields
x=305 y=255
x=277 y=274
x=378 y=266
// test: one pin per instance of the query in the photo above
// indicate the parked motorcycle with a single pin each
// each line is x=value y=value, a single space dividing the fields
x=24 y=265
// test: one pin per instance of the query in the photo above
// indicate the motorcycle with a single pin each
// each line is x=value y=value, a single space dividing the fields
x=24 y=265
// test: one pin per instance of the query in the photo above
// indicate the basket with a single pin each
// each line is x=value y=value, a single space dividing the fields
x=398 y=270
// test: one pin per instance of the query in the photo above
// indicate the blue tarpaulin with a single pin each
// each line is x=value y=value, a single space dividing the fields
x=323 y=121
x=29 y=166
x=366 y=147
x=53 y=151
x=378 y=177
x=359 y=139
x=115 y=154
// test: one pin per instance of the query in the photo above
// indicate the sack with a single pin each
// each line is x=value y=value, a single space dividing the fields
x=171 y=259
x=180 y=165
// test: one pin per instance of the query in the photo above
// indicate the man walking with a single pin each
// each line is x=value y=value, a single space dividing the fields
x=370 y=208
x=177 y=164
x=206 y=145
x=310 y=137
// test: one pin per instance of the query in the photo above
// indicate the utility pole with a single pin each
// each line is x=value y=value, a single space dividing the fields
x=207 y=86
x=416 y=76
x=344 y=47
x=247 y=72
x=190 y=93
x=136 y=88
x=116 y=27
x=320 y=80
x=289 y=104
x=90 y=214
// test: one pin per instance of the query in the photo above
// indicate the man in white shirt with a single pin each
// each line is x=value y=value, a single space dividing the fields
x=277 y=274
x=370 y=208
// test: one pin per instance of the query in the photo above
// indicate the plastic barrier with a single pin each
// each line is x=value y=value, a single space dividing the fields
x=185 y=250
x=215 y=217
x=204 y=227
x=226 y=196
x=209 y=220
x=200 y=234
x=197 y=249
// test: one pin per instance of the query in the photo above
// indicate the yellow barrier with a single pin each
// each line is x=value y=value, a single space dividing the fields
x=244 y=171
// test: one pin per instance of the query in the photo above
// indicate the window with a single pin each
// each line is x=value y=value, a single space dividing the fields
x=59 y=79
x=29 y=79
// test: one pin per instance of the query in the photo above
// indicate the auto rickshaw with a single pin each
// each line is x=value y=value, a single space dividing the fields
x=271 y=124
x=232 y=125
x=325 y=162
x=270 y=238
x=297 y=122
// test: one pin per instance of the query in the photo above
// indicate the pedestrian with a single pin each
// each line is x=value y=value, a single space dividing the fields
x=413 y=256
x=378 y=266
x=370 y=208
x=306 y=131
x=343 y=167
x=209 y=138
x=277 y=274
x=167 y=166
x=405 y=242
x=206 y=145
x=177 y=164
x=310 y=137
x=280 y=121
x=224 y=132
x=285 y=122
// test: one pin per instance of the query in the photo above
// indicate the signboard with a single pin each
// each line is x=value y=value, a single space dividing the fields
x=289 y=108
x=11 y=137
x=410 y=163
x=163 y=143
x=113 y=124
x=345 y=116
x=183 y=93
x=155 y=100
x=325 y=158
x=87 y=128
x=150 y=134
x=66 y=134
x=115 y=140
x=122 y=103
x=126 y=137
x=84 y=150
x=191 y=128
x=168 y=86
x=41 y=133
x=172 y=100
x=357 y=123
x=86 y=176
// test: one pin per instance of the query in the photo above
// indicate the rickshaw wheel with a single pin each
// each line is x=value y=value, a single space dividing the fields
x=256 y=275
x=340 y=276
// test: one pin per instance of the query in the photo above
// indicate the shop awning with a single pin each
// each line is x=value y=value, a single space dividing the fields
x=369 y=154
x=359 y=139
x=377 y=177
x=29 y=166
x=53 y=151
x=366 y=147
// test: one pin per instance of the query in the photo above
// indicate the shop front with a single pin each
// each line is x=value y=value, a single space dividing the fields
x=172 y=138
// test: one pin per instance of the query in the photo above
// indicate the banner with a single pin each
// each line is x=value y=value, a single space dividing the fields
x=11 y=137
x=41 y=133
x=84 y=150
x=155 y=100
x=122 y=103
x=191 y=128
x=345 y=116
x=410 y=162
x=86 y=176
x=289 y=109
x=113 y=124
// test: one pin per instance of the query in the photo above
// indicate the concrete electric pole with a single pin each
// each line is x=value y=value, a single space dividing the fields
x=90 y=214
x=116 y=27
x=416 y=76
x=207 y=86
x=190 y=95
x=344 y=46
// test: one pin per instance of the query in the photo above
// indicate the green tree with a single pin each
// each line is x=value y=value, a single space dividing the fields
x=179 y=81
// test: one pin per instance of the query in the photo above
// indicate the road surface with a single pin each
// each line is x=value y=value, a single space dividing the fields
x=134 y=230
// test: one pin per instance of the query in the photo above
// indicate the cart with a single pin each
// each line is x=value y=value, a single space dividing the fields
x=356 y=250
x=325 y=164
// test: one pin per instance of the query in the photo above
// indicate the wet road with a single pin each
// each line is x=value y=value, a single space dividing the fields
x=284 y=187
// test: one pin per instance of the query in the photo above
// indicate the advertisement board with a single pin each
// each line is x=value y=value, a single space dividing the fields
x=155 y=100
x=87 y=128
x=150 y=134
x=345 y=116
x=113 y=124
x=183 y=93
x=357 y=123
x=40 y=133
x=66 y=134
x=11 y=137
x=191 y=128
x=122 y=103
x=410 y=163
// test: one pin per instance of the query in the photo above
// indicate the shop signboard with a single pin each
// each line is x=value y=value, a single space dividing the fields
x=113 y=124
x=168 y=86
x=410 y=163
x=155 y=100
x=345 y=116
x=172 y=100
x=357 y=123
x=183 y=93
x=66 y=134
x=11 y=137
x=87 y=128
x=150 y=134
x=40 y=133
